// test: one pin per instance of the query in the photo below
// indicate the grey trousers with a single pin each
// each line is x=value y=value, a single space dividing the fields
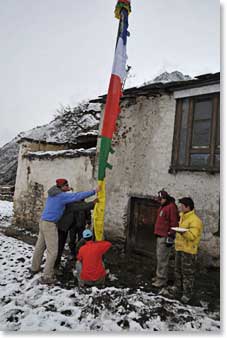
x=162 y=255
x=47 y=239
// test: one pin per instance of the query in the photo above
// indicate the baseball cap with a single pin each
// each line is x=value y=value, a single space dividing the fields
x=61 y=181
x=87 y=233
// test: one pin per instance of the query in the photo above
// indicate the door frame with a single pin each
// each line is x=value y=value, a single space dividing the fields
x=130 y=232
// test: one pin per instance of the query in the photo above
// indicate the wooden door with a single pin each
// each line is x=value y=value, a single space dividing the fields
x=140 y=235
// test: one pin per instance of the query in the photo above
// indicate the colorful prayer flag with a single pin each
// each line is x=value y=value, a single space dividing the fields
x=112 y=109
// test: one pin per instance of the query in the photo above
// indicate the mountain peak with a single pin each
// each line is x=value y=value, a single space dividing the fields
x=171 y=77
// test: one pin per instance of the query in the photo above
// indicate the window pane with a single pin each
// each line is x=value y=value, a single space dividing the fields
x=201 y=133
x=203 y=109
x=183 y=131
x=199 y=160
x=202 y=123
x=217 y=161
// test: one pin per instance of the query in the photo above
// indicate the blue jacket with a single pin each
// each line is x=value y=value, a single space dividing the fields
x=56 y=201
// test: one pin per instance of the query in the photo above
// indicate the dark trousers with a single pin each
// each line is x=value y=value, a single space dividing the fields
x=75 y=235
x=62 y=237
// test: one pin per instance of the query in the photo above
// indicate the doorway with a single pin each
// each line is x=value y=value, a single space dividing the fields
x=141 y=221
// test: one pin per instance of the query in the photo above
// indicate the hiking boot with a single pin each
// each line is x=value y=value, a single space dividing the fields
x=169 y=292
x=164 y=292
x=159 y=283
x=47 y=280
x=33 y=273
x=173 y=290
x=184 y=299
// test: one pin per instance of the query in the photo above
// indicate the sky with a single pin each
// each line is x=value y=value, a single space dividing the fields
x=56 y=52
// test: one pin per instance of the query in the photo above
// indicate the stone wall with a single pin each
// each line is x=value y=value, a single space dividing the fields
x=36 y=175
x=28 y=206
x=143 y=149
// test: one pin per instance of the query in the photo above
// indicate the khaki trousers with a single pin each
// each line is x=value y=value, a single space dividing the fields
x=163 y=254
x=47 y=239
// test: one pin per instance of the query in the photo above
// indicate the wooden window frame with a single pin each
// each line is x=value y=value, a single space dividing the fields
x=212 y=150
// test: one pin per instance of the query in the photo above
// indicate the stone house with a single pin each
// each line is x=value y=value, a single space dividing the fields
x=167 y=136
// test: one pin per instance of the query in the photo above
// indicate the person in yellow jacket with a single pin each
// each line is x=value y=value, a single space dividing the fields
x=186 y=246
x=189 y=240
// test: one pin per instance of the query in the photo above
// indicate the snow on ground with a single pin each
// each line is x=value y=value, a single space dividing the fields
x=26 y=305
x=6 y=213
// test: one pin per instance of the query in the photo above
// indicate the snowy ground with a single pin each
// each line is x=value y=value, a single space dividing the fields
x=26 y=305
x=6 y=212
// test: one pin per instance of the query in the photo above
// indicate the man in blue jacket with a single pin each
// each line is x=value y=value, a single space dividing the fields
x=58 y=197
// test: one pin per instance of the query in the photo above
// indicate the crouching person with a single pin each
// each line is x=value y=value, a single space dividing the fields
x=89 y=265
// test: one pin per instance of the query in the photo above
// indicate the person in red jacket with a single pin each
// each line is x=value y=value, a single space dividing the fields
x=89 y=265
x=167 y=217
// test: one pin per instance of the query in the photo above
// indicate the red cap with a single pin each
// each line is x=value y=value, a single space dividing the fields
x=61 y=181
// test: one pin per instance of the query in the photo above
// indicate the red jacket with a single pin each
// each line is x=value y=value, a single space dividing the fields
x=90 y=255
x=167 y=217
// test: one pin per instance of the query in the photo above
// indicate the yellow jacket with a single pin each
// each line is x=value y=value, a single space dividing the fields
x=189 y=240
